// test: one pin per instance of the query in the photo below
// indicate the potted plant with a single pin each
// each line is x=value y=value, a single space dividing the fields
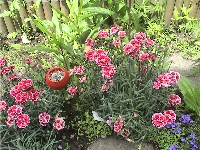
x=57 y=78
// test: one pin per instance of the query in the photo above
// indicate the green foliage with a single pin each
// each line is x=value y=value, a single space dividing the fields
x=131 y=91
x=66 y=33
x=92 y=129
x=191 y=95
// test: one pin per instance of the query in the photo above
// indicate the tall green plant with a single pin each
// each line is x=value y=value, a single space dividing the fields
x=65 y=34
x=191 y=95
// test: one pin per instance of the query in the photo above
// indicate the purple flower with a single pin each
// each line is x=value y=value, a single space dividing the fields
x=193 y=143
x=192 y=136
x=183 y=140
x=173 y=147
x=177 y=131
x=194 y=147
x=172 y=125
x=186 y=118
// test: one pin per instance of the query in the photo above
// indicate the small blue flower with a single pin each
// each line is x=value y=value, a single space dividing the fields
x=186 y=118
x=183 y=140
x=177 y=131
x=173 y=147
x=192 y=136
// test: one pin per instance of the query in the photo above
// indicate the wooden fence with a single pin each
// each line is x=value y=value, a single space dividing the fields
x=44 y=11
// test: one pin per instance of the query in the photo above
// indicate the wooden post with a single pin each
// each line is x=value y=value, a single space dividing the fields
x=47 y=9
x=198 y=14
x=56 y=4
x=30 y=10
x=187 y=3
x=169 y=11
x=8 y=21
x=194 y=6
x=40 y=12
x=178 y=5
x=63 y=7
x=3 y=28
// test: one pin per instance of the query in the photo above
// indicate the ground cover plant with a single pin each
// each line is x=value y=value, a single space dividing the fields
x=119 y=81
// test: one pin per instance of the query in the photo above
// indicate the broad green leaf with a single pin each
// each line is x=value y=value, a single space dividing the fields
x=6 y=13
x=98 y=10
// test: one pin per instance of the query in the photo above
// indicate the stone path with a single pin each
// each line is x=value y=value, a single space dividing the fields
x=184 y=67
x=112 y=143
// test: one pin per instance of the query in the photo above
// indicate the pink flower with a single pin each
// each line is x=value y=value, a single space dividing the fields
x=105 y=87
x=140 y=36
x=103 y=34
x=9 y=121
x=125 y=132
x=175 y=76
x=135 y=42
x=90 y=55
x=108 y=72
x=88 y=42
x=2 y=105
x=23 y=121
x=118 y=126
x=128 y=48
x=167 y=79
x=14 y=111
x=159 y=120
x=15 y=90
x=13 y=77
x=156 y=85
x=170 y=116
x=73 y=90
x=103 y=61
x=59 y=123
x=121 y=34
x=28 y=60
x=5 y=70
x=174 y=100
x=143 y=56
x=78 y=70
x=33 y=95
x=149 y=42
x=11 y=67
x=116 y=42
x=21 y=97
x=44 y=118
x=143 y=69
x=82 y=79
x=100 y=52
x=25 y=84
x=114 y=29
x=152 y=56
x=2 y=62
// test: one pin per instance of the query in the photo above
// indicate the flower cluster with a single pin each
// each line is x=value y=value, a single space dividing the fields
x=7 y=70
x=161 y=120
x=166 y=80
x=15 y=115
x=2 y=105
x=77 y=70
x=24 y=91
x=102 y=60
x=133 y=48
